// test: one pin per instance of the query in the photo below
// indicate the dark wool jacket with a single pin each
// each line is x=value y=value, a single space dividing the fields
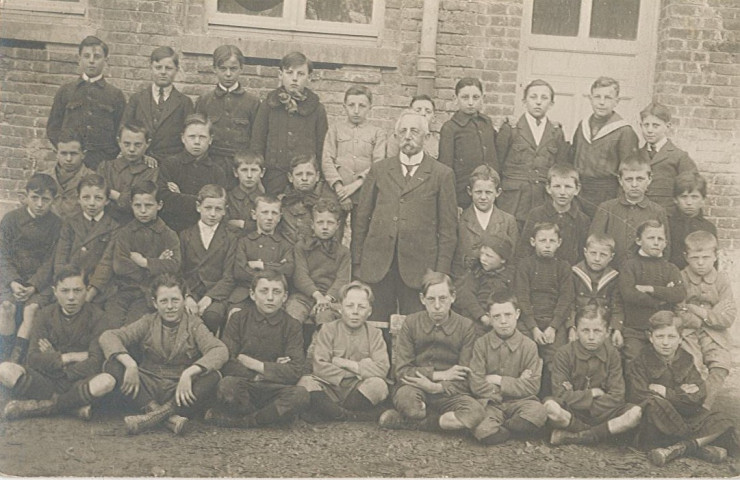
x=232 y=115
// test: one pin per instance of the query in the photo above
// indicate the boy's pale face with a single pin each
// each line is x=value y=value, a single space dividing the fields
x=603 y=101
x=169 y=303
x=267 y=216
x=438 y=301
x=635 y=183
x=145 y=207
x=356 y=309
x=469 y=100
x=268 y=296
x=304 y=177
x=294 y=79
x=538 y=101
x=69 y=156
x=424 y=108
x=690 y=203
x=701 y=262
x=357 y=108
x=652 y=241
x=503 y=318
x=164 y=71
x=325 y=225
x=196 y=139
x=654 y=129
x=545 y=243
x=93 y=200
x=489 y=259
x=597 y=256
x=70 y=294
x=249 y=175
x=39 y=203
x=212 y=210
x=92 y=60
x=228 y=72
x=666 y=341
x=132 y=145
x=591 y=333
x=562 y=190
x=484 y=193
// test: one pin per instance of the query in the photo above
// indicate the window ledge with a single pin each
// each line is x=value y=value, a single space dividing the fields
x=319 y=48
x=43 y=28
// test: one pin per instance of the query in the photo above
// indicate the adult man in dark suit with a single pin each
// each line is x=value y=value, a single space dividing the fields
x=406 y=222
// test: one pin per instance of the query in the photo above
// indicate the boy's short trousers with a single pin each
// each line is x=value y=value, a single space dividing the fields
x=300 y=307
x=529 y=409
x=413 y=403
x=706 y=351
x=374 y=389
x=36 y=385
x=588 y=419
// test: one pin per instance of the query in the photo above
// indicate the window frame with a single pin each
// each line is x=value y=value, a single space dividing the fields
x=78 y=7
x=293 y=21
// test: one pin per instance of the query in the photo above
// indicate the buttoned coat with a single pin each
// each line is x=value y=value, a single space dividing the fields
x=83 y=244
x=67 y=201
x=418 y=219
x=165 y=131
x=208 y=271
x=667 y=163
x=470 y=233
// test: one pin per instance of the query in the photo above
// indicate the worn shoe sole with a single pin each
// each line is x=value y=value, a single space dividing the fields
x=391 y=420
x=711 y=454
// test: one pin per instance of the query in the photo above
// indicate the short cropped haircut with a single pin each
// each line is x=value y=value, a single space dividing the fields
x=327 y=205
x=601 y=239
x=134 y=127
x=632 y=164
x=160 y=53
x=502 y=296
x=656 y=110
x=92 y=41
x=652 y=223
x=563 y=171
x=197 y=119
x=687 y=182
x=211 y=191
x=304 y=158
x=539 y=83
x=40 y=183
x=145 y=187
x=468 y=82
x=358 y=90
x=700 y=240
x=665 y=318
x=295 y=59
x=167 y=280
x=544 y=226
x=248 y=157
x=484 y=172
x=602 y=82
x=271 y=276
x=432 y=278
x=93 y=180
x=69 y=136
x=268 y=199
x=421 y=97
x=68 y=271
x=591 y=312
x=356 y=285
x=224 y=53
x=409 y=112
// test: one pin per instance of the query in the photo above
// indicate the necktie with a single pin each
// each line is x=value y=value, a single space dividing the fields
x=538 y=121
x=160 y=98
x=651 y=151
x=409 y=169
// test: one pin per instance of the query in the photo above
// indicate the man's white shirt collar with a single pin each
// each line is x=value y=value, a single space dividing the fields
x=155 y=92
x=91 y=80
x=96 y=218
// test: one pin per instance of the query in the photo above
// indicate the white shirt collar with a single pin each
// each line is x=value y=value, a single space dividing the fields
x=484 y=218
x=230 y=89
x=96 y=218
x=206 y=233
x=537 y=130
x=30 y=213
x=413 y=160
x=155 y=92
x=660 y=143
x=91 y=80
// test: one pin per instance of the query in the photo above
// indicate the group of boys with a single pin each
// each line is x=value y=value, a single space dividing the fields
x=526 y=335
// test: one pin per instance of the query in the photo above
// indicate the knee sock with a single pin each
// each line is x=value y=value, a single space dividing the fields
x=18 y=354
x=77 y=396
x=594 y=434
x=325 y=407
x=518 y=424
x=576 y=425
x=357 y=401
x=266 y=416
x=6 y=346
x=308 y=330
x=500 y=436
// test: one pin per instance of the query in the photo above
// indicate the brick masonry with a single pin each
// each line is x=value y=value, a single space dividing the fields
x=697 y=75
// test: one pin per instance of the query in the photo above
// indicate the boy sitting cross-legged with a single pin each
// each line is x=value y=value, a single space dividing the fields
x=208 y=251
x=505 y=374
x=350 y=362
x=664 y=380
x=588 y=404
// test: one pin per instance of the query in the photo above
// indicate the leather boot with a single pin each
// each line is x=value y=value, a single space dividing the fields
x=661 y=456
x=16 y=409
x=136 y=424
x=176 y=424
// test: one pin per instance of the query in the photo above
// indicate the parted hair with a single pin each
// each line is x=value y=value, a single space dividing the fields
x=93 y=180
x=665 y=318
x=503 y=296
x=68 y=271
x=271 y=276
x=432 y=278
x=700 y=240
x=356 y=285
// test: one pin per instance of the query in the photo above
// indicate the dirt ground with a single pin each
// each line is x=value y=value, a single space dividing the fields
x=69 y=447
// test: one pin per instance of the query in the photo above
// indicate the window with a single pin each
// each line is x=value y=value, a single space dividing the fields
x=610 y=19
x=46 y=6
x=346 y=17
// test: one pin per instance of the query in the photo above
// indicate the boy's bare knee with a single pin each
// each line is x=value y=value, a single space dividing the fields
x=10 y=373
x=632 y=416
x=102 y=384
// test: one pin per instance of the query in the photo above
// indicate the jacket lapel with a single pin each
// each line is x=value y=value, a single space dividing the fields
x=420 y=176
x=182 y=331
x=527 y=135
x=662 y=154
x=170 y=105
x=471 y=222
x=545 y=140
x=396 y=173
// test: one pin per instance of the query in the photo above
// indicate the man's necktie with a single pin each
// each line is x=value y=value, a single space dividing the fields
x=160 y=98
